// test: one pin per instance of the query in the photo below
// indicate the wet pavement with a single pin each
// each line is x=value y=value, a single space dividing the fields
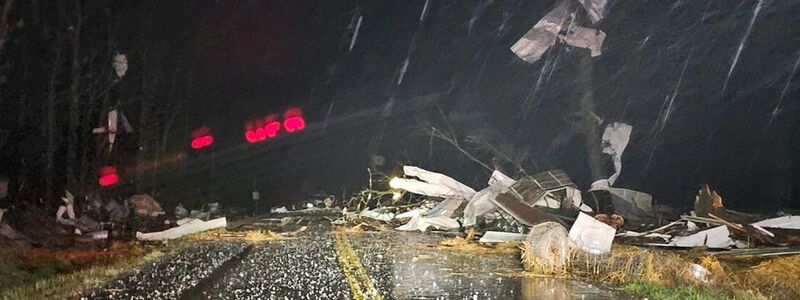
x=321 y=264
x=171 y=276
x=413 y=266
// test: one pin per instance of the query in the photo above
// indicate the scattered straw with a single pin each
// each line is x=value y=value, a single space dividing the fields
x=778 y=276
x=221 y=234
x=468 y=244
x=624 y=264
x=362 y=225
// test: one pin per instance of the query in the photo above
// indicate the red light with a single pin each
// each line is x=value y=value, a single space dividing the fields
x=202 y=142
x=293 y=124
x=108 y=175
x=250 y=136
x=260 y=134
x=272 y=129
x=108 y=180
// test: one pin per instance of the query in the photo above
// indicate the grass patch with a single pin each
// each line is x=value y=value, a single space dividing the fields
x=655 y=291
x=662 y=274
x=53 y=274
x=778 y=277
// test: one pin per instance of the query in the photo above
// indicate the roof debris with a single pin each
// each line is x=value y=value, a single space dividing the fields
x=559 y=24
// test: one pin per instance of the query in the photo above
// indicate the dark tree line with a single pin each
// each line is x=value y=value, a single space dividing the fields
x=57 y=83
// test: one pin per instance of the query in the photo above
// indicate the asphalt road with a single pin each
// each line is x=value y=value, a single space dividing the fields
x=320 y=264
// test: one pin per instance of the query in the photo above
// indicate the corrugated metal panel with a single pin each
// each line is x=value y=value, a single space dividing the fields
x=533 y=188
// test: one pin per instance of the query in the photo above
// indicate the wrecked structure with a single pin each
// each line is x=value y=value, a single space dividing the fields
x=597 y=231
x=504 y=56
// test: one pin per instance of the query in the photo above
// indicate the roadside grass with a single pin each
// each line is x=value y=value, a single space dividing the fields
x=656 y=291
x=51 y=274
x=694 y=274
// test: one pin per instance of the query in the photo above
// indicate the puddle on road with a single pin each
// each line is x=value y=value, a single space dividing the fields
x=559 y=288
x=412 y=266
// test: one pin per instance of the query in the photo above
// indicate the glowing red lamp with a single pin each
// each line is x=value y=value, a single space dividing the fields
x=108 y=176
x=293 y=124
x=109 y=180
x=202 y=141
x=261 y=134
x=271 y=126
x=272 y=129
x=201 y=138
x=250 y=136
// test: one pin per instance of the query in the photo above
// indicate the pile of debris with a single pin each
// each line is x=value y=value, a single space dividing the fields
x=508 y=208
x=565 y=229
x=605 y=232
x=101 y=220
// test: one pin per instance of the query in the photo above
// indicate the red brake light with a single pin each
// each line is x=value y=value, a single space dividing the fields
x=272 y=129
x=108 y=175
x=293 y=124
x=108 y=180
x=250 y=136
x=202 y=142
x=260 y=134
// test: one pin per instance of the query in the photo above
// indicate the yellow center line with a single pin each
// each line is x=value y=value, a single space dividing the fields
x=361 y=287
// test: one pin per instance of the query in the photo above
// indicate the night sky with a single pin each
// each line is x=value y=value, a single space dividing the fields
x=251 y=58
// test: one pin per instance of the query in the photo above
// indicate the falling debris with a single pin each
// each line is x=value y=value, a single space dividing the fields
x=543 y=35
x=615 y=139
x=583 y=37
x=548 y=31
x=595 y=8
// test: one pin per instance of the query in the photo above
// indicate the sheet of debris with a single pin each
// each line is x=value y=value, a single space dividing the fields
x=189 y=227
